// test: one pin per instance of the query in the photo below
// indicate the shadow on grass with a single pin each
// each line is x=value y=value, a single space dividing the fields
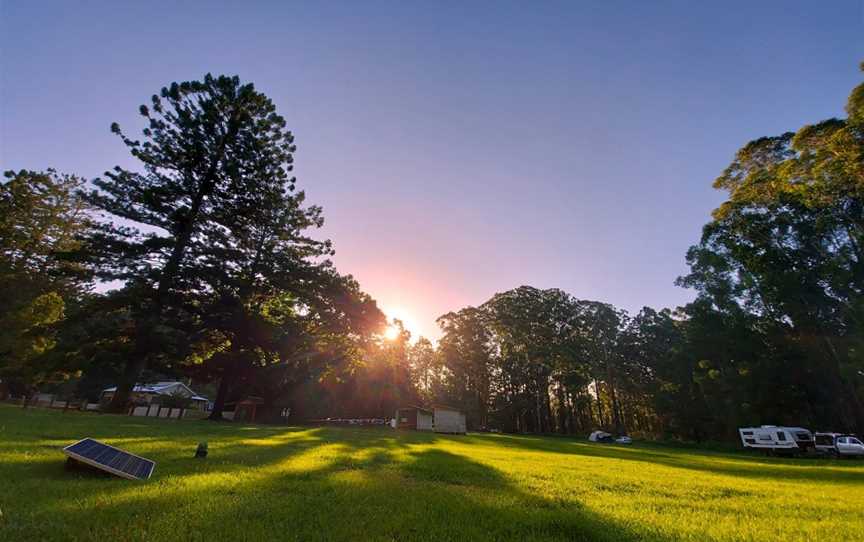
x=271 y=483
x=305 y=483
x=420 y=495
x=722 y=463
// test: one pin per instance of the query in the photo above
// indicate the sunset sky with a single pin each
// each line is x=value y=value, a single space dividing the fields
x=458 y=148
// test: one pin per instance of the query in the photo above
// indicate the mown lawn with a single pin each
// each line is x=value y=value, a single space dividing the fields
x=276 y=483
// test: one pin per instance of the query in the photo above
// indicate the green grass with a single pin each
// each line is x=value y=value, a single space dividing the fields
x=275 y=483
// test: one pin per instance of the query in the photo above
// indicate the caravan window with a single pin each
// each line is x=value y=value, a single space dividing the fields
x=781 y=435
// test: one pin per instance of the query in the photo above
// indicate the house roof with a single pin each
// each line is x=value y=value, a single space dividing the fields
x=160 y=388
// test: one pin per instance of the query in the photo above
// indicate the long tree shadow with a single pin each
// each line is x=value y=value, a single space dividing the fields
x=36 y=464
x=722 y=463
x=264 y=482
x=423 y=495
x=236 y=454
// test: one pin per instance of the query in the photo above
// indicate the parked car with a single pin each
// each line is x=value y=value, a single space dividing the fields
x=839 y=445
x=777 y=439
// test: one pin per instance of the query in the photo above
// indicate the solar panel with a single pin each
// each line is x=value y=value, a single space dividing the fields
x=110 y=459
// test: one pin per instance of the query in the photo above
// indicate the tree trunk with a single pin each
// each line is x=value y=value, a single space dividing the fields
x=850 y=406
x=599 y=402
x=222 y=394
x=561 y=422
x=610 y=384
x=537 y=414
x=135 y=365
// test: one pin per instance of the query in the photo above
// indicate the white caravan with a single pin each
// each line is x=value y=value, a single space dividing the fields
x=773 y=438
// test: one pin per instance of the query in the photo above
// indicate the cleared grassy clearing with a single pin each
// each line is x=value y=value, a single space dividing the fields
x=373 y=484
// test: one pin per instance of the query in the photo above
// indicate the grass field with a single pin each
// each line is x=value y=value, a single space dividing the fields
x=275 y=483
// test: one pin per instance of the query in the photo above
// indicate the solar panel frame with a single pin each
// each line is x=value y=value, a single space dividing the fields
x=142 y=470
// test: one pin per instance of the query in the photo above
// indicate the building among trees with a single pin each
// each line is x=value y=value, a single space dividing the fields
x=414 y=417
x=439 y=418
x=449 y=420
x=146 y=393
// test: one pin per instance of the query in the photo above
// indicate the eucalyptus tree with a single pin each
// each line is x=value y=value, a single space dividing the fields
x=467 y=352
x=662 y=374
x=783 y=256
x=516 y=319
x=200 y=141
x=427 y=370
x=535 y=335
x=600 y=325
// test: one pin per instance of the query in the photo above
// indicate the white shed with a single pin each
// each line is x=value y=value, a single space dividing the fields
x=448 y=420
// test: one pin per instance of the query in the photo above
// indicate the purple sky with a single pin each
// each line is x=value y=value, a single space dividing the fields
x=458 y=148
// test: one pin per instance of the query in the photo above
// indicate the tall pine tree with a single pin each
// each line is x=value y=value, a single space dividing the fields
x=201 y=140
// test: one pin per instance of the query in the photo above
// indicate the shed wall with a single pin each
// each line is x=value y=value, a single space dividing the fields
x=424 y=421
x=449 y=421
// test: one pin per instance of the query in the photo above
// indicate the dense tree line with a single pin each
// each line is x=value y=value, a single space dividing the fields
x=775 y=334
x=221 y=279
